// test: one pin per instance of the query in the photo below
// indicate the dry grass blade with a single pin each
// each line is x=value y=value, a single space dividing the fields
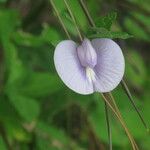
x=61 y=22
x=110 y=102
x=73 y=19
x=113 y=100
x=84 y=7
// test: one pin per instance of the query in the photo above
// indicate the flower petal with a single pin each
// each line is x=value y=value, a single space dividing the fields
x=69 y=68
x=87 y=54
x=110 y=65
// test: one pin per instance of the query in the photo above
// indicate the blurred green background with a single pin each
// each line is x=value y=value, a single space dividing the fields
x=37 y=111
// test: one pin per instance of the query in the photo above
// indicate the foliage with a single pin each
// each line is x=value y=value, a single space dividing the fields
x=36 y=110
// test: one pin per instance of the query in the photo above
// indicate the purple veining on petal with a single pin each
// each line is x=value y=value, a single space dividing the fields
x=69 y=68
x=110 y=65
x=94 y=66
x=87 y=54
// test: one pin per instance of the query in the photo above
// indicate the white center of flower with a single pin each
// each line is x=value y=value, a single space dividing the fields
x=90 y=74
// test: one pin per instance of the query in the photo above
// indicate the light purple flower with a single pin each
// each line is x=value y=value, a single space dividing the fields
x=93 y=66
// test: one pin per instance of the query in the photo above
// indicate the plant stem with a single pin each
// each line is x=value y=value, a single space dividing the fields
x=59 y=17
x=73 y=19
x=84 y=7
x=110 y=102
x=124 y=85
x=108 y=126
x=127 y=91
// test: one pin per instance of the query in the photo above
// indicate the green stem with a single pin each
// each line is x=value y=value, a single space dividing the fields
x=59 y=17
x=108 y=126
x=110 y=102
x=73 y=19
x=127 y=91
x=117 y=109
x=84 y=7
x=124 y=85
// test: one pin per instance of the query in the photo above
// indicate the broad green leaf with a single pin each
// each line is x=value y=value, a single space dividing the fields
x=16 y=69
x=106 y=21
x=52 y=131
x=41 y=84
x=135 y=69
x=53 y=135
x=42 y=143
x=2 y=144
x=144 y=19
x=12 y=124
x=53 y=138
x=6 y=109
x=27 y=39
x=15 y=130
x=136 y=127
x=26 y=107
x=145 y=107
x=104 y=33
x=98 y=122
x=145 y=143
x=9 y=21
x=51 y=35
x=136 y=30
x=11 y=121
x=77 y=12
x=3 y=1
x=93 y=9
x=122 y=99
x=140 y=4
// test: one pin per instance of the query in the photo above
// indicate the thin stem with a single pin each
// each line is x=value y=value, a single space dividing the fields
x=113 y=100
x=118 y=115
x=127 y=91
x=108 y=126
x=125 y=87
x=86 y=11
x=59 y=17
x=74 y=20
x=117 y=109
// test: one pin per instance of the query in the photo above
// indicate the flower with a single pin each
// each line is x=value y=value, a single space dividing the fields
x=93 y=66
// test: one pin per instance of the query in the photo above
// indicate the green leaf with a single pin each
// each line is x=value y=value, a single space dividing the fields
x=11 y=121
x=77 y=12
x=9 y=21
x=135 y=69
x=120 y=35
x=27 y=39
x=3 y=1
x=98 y=122
x=136 y=30
x=2 y=144
x=26 y=107
x=137 y=131
x=42 y=143
x=51 y=35
x=50 y=137
x=15 y=130
x=106 y=21
x=52 y=131
x=17 y=71
x=41 y=84
x=104 y=33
